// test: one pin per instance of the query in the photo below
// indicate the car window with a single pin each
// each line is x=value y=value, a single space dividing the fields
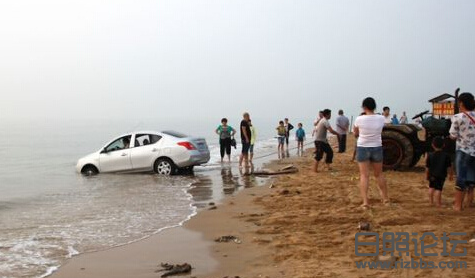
x=146 y=139
x=119 y=144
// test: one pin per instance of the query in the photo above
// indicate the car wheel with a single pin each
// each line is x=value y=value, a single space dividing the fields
x=164 y=166
x=89 y=170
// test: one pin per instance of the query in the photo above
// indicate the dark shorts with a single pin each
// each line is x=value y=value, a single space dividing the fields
x=324 y=148
x=369 y=154
x=299 y=139
x=245 y=147
x=281 y=140
x=465 y=167
x=436 y=183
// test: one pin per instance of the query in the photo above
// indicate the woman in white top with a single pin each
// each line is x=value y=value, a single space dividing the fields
x=369 y=150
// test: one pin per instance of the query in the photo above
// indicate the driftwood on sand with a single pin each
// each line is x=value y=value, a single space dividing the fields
x=288 y=169
x=174 y=269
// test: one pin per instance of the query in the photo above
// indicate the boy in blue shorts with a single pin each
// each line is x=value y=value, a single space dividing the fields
x=438 y=164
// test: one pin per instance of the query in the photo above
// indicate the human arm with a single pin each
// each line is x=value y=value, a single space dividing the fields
x=454 y=129
x=218 y=130
x=332 y=131
x=233 y=131
x=356 y=131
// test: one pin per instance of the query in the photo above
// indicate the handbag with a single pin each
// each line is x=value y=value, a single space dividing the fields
x=233 y=142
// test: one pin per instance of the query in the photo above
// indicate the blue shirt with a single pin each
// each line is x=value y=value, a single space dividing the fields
x=300 y=133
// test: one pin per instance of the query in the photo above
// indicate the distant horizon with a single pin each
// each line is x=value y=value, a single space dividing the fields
x=179 y=59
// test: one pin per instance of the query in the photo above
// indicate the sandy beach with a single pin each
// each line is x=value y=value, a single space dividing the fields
x=298 y=225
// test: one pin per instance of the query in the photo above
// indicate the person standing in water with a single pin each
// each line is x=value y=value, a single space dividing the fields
x=245 y=140
x=300 y=135
x=253 y=140
x=281 y=133
x=225 y=133
x=288 y=128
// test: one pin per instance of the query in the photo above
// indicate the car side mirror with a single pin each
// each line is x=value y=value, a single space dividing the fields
x=104 y=150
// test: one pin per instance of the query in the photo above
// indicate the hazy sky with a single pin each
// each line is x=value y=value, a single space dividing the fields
x=208 y=59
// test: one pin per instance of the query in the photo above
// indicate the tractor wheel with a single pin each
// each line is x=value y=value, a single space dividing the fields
x=398 y=150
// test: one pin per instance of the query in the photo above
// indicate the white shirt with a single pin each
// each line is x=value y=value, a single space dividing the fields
x=370 y=128
x=463 y=130
x=321 y=130
x=387 y=119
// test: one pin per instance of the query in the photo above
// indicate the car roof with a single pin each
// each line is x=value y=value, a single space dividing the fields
x=170 y=133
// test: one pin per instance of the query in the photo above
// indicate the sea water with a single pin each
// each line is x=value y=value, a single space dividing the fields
x=48 y=212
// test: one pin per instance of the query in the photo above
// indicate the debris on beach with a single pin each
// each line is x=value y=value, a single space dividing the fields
x=285 y=192
x=213 y=208
x=288 y=169
x=174 y=269
x=364 y=226
x=235 y=239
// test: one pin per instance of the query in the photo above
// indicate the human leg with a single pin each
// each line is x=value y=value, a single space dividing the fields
x=461 y=183
x=470 y=180
x=438 y=197
x=340 y=143
x=318 y=155
x=329 y=155
x=364 y=181
x=221 y=148
x=251 y=152
x=378 y=174
x=343 y=143
x=245 y=153
x=469 y=195
x=228 y=148
x=431 y=195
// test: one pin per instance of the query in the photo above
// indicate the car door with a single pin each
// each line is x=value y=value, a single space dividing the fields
x=146 y=149
x=116 y=156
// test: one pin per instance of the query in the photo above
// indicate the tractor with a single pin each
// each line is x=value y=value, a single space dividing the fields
x=402 y=146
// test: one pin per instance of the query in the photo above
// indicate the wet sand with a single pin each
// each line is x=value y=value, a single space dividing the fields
x=304 y=226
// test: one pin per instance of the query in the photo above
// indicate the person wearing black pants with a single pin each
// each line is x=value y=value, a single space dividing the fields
x=288 y=128
x=225 y=133
x=322 y=142
x=342 y=126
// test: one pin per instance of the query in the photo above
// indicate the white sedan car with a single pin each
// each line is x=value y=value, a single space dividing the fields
x=164 y=152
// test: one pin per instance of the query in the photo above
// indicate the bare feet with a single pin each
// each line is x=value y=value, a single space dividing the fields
x=365 y=206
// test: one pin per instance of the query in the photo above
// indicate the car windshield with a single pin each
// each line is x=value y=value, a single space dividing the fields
x=175 y=134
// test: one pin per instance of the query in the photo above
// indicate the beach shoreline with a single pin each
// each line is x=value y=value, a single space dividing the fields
x=298 y=225
x=191 y=242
